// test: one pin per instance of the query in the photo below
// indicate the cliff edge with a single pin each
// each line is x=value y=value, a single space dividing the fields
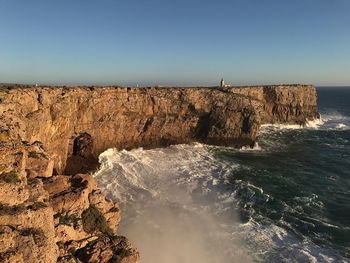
x=50 y=137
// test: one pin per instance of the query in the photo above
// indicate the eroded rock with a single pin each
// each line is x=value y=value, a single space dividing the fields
x=77 y=124
x=106 y=249
x=46 y=216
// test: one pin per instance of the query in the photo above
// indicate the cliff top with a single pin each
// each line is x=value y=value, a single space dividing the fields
x=6 y=86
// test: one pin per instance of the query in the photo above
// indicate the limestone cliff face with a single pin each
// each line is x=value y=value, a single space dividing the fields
x=133 y=117
x=50 y=136
x=286 y=104
x=46 y=218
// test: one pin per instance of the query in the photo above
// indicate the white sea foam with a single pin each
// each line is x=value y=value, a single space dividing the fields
x=310 y=124
x=333 y=115
x=315 y=123
x=287 y=246
x=178 y=206
x=334 y=120
x=282 y=126
x=327 y=121
x=255 y=148
x=342 y=126
x=170 y=202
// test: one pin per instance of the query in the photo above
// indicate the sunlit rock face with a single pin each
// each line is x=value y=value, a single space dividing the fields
x=76 y=124
x=50 y=137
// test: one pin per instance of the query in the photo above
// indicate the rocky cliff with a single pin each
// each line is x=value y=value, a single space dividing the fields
x=50 y=137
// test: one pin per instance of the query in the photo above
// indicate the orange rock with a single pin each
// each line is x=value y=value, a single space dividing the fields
x=39 y=209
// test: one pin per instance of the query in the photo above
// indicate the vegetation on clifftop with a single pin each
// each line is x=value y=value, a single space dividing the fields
x=94 y=221
x=10 y=177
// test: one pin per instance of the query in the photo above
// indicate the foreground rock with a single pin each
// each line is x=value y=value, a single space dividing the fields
x=27 y=231
x=50 y=138
x=57 y=216
x=105 y=250
x=46 y=218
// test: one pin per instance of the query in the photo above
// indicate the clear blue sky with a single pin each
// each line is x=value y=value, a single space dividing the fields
x=186 y=42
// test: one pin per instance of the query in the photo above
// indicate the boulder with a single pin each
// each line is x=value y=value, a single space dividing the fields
x=106 y=249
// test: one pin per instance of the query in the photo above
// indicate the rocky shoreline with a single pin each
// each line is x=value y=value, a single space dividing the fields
x=50 y=137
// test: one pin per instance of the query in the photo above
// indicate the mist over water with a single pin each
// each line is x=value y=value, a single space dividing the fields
x=286 y=200
x=173 y=206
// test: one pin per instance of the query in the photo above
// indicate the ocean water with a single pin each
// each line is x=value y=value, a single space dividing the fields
x=286 y=200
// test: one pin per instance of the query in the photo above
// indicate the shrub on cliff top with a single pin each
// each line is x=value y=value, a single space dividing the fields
x=38 y=155
x=12 y=210
x=69 y=220
x=10 y=177
x=37 y=234
x=94 y=220
x=121 y=254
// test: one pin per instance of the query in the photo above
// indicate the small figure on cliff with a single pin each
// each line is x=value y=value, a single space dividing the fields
x=222 y=83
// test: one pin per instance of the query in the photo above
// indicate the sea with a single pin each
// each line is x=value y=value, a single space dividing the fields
x=285 y=200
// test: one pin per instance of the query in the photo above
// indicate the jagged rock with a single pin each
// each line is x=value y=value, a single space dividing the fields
x=110 y=210
x=57 y=184
x=7 y=238
x=13 y=194
x=105 y=249
x=65 y=233
x=37 y=193
x=75 y=200
x=11 y=257
x=70 y=193
x=38 y=210
x=26 y=219
x=32 y=238
x=38 y=164
x=12 y=175
x=67 y=249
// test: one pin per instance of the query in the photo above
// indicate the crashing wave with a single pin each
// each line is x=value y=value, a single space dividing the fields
x=328 y=121
x=180 y=202
x=171 y=203
x=315 y=123
x=342 y=126
x=311 y=124
x=255 y=148
x=281 y=126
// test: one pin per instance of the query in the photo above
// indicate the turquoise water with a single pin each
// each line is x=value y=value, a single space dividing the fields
x=286 y=200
